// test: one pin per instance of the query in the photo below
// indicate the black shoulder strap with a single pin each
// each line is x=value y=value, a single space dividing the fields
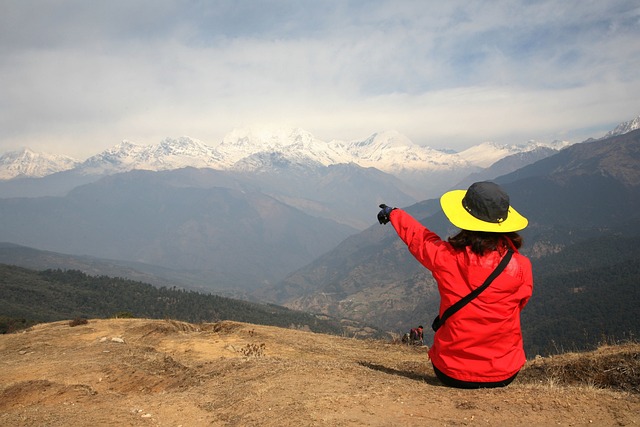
x=438 y=321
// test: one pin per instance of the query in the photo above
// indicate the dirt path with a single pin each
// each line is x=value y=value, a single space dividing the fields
x=164 y=373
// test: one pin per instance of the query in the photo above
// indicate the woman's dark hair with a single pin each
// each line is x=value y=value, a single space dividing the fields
x=482 y=242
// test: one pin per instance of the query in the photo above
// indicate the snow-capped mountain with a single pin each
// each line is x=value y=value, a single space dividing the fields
x=253 y=150
x=624 y=127
x=249 y=150
x=28 y=163
x=390 y=151
x=294 y=144
x=167 y=155
x=487 y=153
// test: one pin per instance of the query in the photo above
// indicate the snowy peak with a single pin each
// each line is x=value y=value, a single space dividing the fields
x=293 y=144
x=378 y=145
x=624 y=127
x=181 y=152
x=251 y=150
x=168 y=154
x=119 y=158
x=487 y=153
x=29 y=163
x=259 y=149
x=385 y=140
x=391 y=151
x=256 y=140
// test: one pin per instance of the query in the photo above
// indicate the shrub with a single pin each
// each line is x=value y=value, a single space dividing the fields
x=78 y=321
x=124 y=315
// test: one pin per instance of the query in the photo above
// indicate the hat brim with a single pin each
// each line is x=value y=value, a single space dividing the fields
x=451 y=203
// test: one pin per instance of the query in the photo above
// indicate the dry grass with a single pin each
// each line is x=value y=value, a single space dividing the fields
x=169 y=373
x=615 y=367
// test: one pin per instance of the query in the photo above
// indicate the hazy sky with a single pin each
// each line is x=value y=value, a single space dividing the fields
x=77 y=77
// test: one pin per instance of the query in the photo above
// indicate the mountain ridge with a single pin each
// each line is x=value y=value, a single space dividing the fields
x=424 y=171
x=428 y=171
x=29 y=163
x=388 y=151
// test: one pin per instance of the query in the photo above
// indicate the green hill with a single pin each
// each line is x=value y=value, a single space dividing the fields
x=583 y=296
x=28 y=297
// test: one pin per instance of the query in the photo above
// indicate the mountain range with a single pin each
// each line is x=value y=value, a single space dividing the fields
x=426 y=169
x=388 y=151
x=244 y=149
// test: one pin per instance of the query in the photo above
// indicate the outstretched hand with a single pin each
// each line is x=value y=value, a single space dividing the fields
x=383 y=215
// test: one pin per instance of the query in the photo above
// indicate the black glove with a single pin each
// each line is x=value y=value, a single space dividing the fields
x=383 y=215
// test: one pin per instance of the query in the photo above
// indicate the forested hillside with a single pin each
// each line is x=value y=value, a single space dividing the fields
x=28 y=297
x=578 y=304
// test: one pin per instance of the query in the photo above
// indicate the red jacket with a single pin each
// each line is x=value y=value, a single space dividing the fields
x=483 y=341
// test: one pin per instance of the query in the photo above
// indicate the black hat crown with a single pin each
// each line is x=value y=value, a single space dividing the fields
x=487 y=201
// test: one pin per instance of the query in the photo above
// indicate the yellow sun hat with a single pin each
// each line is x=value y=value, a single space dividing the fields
x=483 y=207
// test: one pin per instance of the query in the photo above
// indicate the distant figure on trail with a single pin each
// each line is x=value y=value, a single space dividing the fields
x=483 y=282
x=414 y=336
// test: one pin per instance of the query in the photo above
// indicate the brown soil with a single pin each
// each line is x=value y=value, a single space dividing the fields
x=135 y=372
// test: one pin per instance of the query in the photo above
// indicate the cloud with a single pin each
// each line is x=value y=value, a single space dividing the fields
x=79 y=77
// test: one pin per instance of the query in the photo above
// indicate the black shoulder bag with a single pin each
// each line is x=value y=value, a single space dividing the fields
x=437 y=322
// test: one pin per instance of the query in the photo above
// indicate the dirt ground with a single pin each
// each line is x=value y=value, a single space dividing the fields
x=138 y=372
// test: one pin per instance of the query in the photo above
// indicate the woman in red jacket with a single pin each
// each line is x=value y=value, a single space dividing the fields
x=481 y=344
